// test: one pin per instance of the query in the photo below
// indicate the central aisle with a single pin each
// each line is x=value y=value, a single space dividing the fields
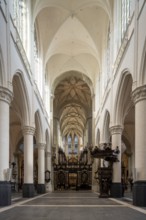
x=71 y=205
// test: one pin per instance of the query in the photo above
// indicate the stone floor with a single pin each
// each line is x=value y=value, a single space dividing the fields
x=71 y=205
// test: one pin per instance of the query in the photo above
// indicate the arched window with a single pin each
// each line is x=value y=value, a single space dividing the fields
x=36 y=60
x=20 y=19
x=125 y=14
x=38 y=64
x=76 y=141
x=73 y=144
x=69 y=141
x=108 y=59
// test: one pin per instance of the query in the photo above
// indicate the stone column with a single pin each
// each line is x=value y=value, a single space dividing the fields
x=49 y=167
x=139 y=188
x=28 y=186
x=41 y=168
x=5 y=186
x=116 y=188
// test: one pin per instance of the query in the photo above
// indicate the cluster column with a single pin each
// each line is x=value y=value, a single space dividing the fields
x=116 y=188
x=139 y=188
x=5 y=186
x=41 y=168
x=28 y=186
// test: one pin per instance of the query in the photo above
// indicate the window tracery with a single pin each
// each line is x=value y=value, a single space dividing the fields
x=38 y=64
x=108 y=59
x=73 y=142
x=125 y=15
x=20 y=18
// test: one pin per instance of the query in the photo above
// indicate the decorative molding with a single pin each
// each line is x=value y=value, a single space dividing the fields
x=116 y=129
x=23 y=54
x=28 y=130
x=5 y=95
x=41 y=146
x=120 y=53
x=139 y=94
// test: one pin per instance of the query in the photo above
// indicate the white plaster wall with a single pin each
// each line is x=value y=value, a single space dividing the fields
x=128 y=62
x=3 y=39
x=13 y=63
x=141 y=36
x=104 y=99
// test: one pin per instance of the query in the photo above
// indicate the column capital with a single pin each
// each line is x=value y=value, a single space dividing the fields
x=116 y=129
x=28 y=130
x=6 y=95
x=41 y=146
x=139 y=94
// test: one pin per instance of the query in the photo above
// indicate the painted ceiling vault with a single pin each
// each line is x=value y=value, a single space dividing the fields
x=71 y=37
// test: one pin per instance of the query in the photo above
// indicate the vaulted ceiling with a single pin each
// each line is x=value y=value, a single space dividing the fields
x=71 y=37
x=72 y=105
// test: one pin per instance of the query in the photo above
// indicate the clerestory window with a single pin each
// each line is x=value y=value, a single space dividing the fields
x=20 y=19
x=125 y=14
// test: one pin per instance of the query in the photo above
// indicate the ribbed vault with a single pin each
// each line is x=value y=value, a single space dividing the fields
x=71 y=37
x=72 y=105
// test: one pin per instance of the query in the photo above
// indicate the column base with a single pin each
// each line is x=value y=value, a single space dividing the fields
x=139 y=193
x=116 y=190
x=41 y=188
x=5 y=193
x=28 y=190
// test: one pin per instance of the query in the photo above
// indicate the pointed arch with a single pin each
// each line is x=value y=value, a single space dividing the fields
x=21 y=101
x=122 y=100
